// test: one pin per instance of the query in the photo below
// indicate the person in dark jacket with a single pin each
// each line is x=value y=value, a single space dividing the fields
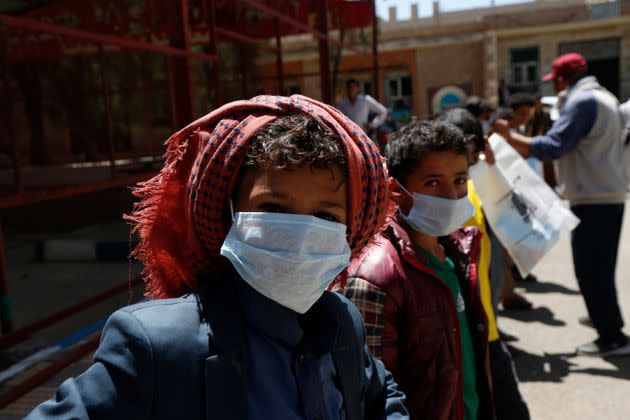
x=238 y=256
x=417 y=286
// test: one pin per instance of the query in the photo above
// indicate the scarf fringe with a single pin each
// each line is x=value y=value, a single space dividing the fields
x=153 y=196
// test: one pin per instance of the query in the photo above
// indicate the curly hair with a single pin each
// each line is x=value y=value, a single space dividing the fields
x=293 y=141
x=521 y=99
x=466 y=122
x=408 y=146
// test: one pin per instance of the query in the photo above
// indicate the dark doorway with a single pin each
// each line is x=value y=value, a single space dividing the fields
x=603 y=59
x=607 y=72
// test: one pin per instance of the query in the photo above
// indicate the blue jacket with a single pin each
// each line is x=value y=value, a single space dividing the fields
x=184 y=359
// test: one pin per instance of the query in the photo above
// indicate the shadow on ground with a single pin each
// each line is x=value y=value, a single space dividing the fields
x=554 y=367
x=620 y=368
x=540 y=314
x=546 y=368
x=547 y=287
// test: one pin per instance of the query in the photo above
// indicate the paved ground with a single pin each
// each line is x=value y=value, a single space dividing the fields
x=556 y=383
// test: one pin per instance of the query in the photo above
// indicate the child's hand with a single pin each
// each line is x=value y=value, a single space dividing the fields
x=487 y=152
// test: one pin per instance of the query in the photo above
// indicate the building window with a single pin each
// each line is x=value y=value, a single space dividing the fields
x=524 y=69
x=397 y=89
x=604 y=9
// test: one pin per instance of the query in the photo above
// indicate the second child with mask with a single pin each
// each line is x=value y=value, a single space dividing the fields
x=416 y=287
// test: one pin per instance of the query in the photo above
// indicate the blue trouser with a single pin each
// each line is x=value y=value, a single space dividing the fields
x=508 y=402
x=595 y=243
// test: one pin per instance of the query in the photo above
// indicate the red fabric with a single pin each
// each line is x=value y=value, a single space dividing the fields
x=416 y=324
x=181 y=214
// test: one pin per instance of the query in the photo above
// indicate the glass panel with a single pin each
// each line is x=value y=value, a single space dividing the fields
x=518 y=55
x=532 y=73
x=406 y=86
x=517 y=73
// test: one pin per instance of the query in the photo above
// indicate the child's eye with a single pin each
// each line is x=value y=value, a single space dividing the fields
x=432 y=183
x=327 y=216
x=272 y=208
x=461 y=180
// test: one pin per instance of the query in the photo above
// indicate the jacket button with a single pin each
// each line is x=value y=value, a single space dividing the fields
x=480 y=327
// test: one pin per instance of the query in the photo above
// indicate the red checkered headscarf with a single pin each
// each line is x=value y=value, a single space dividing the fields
x=180 y=216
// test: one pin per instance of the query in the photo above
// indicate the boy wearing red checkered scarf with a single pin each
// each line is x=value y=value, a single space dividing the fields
x=257 y=211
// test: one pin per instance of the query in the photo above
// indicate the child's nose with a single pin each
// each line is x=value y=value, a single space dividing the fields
x=451 y=193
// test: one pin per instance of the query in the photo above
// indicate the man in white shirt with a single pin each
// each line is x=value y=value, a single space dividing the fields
x=358 y=107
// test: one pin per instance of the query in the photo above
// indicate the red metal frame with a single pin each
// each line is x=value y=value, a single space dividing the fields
x=375 y=78
x=28 y=330
x=35 y=196
x=42 y=376
x=180 y=85
x=324 y=51
x=107 y=115
x=212 y=44
x=6 y=320
x=319 y=33
x=279 y=66
x=96 y=38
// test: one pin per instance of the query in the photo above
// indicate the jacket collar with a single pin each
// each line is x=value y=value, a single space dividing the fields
x=585 y=83
x=273 y=320
x=458 y=245
x=225 y=380
x=225 y=370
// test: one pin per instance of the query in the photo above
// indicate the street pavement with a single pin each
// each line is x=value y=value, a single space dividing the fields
x=556 y=383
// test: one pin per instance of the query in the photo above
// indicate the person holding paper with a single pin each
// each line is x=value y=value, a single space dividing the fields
x=586 y=144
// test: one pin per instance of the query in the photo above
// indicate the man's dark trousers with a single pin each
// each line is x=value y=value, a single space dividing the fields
x=595 y=243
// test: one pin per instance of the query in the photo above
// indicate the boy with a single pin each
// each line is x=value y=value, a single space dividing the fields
x=228 y=226
x=508 y=402
x=417 y=285
x=521 y=104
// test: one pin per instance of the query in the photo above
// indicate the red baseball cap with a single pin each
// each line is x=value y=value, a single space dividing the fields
x=567 y=65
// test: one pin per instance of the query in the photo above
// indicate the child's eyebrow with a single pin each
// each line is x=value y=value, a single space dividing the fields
x=332 y=204
x=276 y=194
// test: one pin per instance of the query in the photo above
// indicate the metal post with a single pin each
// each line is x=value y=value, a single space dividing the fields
x=279 y=66
x=180 y=75
x=7 y=108
x=324 y=51
x=375 y=69
x=146 y=84
x=146 y=97
x=107 y=115
x=243 y=69
x=6 y=313
x=214 y=72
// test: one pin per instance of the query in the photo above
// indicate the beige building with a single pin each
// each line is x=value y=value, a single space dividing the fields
x=434 y=62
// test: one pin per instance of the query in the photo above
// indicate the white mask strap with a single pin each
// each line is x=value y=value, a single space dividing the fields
x=232 y=209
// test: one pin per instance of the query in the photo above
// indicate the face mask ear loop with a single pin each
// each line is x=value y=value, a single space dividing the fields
x=403 y=188
x=232 y=210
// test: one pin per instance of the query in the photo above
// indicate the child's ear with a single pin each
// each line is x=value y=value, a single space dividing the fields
x=399 y=196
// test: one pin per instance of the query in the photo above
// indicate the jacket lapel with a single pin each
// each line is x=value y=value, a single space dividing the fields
x=344 y=358
x=346 y=352
x=226 y=392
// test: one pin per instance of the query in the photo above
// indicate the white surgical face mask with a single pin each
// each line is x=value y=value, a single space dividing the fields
x=438 y=216
x=289 y=258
